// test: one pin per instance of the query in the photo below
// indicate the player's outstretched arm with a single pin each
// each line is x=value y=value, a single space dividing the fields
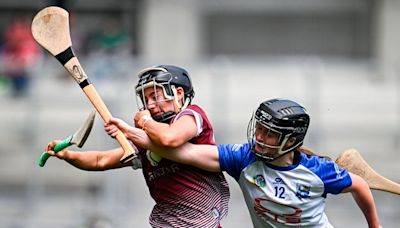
x=89 y=160
x=364 y=199
x=201 y=156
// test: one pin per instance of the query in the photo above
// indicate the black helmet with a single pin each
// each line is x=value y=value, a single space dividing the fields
x=284 y=117
x=168 y=77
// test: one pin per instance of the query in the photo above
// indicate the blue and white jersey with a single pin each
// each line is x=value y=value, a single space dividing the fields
x=292 y=196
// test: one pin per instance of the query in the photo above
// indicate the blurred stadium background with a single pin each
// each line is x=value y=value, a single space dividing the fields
x=339 y=58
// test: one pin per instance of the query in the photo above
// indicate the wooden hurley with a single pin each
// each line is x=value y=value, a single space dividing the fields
x=50 y=28
x=352 y=161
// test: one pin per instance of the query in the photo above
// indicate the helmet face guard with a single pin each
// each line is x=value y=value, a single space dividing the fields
x=267 y=131
x=278 y=121
x=150 y=81
x=168 y=78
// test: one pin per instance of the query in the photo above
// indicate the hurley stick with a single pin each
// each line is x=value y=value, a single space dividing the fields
x=352 y=161
x=78 y=139
x=50 y=28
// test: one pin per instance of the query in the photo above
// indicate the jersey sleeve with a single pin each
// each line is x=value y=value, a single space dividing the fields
x=197 y=117
x=233 y=158
x=335 y=179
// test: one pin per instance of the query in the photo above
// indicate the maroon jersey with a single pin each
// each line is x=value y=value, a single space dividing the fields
x=186 y=196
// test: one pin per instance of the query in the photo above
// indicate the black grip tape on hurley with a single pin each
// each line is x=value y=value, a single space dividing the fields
x=84 y=83
x=65 y=56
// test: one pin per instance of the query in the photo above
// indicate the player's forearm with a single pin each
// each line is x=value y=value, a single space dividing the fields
x=366 y=203
x=140 y=138
x=202 y=156
x=95 y=160
x=364 y=199
x=161 y=133
x=82 y=160
x=144 y=121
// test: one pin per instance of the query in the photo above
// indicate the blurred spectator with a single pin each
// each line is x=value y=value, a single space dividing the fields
x=111 y=38
x=4 y=81
x=19 y=54
x=109 y=50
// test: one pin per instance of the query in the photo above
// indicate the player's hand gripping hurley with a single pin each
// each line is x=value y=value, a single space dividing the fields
x=78 y=139
x=50 y=28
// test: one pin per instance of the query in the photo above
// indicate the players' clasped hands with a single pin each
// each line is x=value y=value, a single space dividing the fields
x=115 y=124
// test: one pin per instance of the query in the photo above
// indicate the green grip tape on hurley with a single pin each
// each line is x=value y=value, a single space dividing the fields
x=60 y=146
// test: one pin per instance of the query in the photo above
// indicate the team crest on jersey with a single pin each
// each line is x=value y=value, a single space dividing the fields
x=303 y=191
x=153 y=158
x=259 y=180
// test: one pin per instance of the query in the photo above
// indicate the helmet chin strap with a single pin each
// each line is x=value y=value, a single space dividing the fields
x=164 y=117
x=178 y=104
x=281 y=152
x=187 y=101
x=268 y=158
